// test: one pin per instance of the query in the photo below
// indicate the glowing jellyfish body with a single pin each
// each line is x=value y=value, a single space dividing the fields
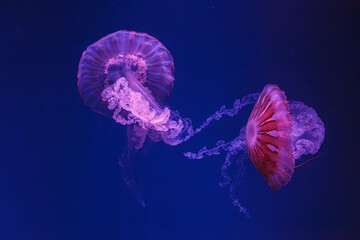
x=277 y=133
x=128 y=76
x=268 y=137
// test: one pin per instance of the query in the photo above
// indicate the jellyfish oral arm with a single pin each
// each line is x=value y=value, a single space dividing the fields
x=308 y=131
x=132 y=104
x=136 y=86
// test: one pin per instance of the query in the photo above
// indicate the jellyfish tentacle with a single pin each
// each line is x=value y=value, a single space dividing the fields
x=188 y=131
x=236 y=201
x=227 y=179
x=209 y=152
x=136 y=138
x=233 y=146
x=223 y=111
x=236 y=180
x=127 y=167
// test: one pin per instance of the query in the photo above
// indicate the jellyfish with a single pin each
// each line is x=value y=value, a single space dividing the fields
x=277 y=133
x=129 y=76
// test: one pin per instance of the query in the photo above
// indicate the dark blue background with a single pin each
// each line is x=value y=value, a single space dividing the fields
x=59 y=176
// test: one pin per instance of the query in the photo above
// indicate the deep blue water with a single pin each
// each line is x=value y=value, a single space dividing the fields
x=59 y=176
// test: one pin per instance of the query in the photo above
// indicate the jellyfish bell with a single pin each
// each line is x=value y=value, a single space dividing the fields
x=268 y=137
x=138 y=57
x=278 y=132
x=128 y=76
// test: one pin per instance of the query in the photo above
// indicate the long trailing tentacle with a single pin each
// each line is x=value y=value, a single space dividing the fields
x=127 y=161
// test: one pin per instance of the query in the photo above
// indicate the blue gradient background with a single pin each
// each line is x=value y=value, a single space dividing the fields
x=59 y=176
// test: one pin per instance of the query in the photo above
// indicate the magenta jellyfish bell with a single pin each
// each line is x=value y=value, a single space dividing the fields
x=268 y=137
x=278 y=132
